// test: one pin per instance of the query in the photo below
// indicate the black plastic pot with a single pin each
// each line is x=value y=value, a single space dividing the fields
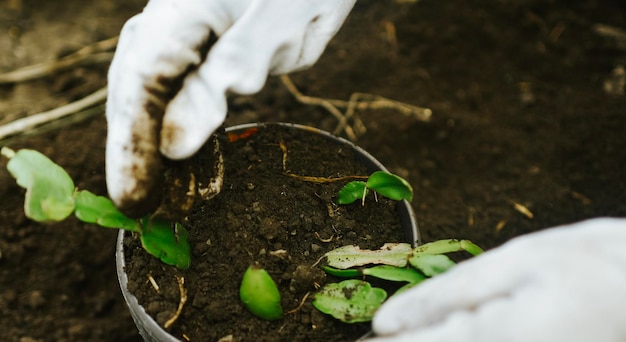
x=147 y=326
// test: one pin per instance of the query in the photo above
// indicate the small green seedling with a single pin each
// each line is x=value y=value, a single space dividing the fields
x=387 y=184
x=52 y=197
x=396 y=262
x=259 y=293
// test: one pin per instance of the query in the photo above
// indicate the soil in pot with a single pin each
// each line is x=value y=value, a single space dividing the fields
x=264 y=215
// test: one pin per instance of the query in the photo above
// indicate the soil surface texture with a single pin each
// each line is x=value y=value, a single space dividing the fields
x=527 y=131
x=275 y=218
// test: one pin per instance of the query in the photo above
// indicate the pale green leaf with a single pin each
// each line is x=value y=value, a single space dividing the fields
x=350 y=301
x=431 y=265
x=393 y=273
x=448 y=246
x=394 y=254
x=49 y=189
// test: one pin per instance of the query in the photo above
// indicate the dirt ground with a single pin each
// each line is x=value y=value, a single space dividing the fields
x=528 y=112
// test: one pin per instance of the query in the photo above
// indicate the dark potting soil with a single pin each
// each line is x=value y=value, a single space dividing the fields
x=520 y=114
x=263 y=215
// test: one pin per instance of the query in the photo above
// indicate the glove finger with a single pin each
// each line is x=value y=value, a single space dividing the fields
x=530 y=270
x=496 y=321
x=269 y=37
x=239 y=62
x=143 y=77
x=465 y=287
x=191 y=117
x=557 y=310
x=277 y=36
x=319 y=31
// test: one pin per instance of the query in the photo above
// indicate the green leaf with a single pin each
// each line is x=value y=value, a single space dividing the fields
x=471 y=247
x=101 y=211
x=385 y=272
x=394 y=254
x=448 y=246
x=390 y=186
x=351 y=192
x=350 y=301
x=49 y=189
x=391 y=273
x=349 y=273
x=167 y=241
x=260 y=295
x=431 y=265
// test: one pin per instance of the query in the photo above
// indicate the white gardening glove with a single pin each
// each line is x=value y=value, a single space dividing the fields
x=162 y=48
x=562 y=284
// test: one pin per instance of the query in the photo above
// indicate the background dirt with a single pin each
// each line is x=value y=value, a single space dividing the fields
x=521 y=114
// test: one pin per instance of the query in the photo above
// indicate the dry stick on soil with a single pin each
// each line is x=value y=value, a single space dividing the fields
x=613 y=32
x=154 y=283
x=522 y=209
x=330 y=239
x=312 y=179
x=357 y=101
x=31 y=122
x=90 y=54
x=94 y=53
x=183 y=300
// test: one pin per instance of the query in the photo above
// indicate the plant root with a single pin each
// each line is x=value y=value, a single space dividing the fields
x=357 y=101
x=330 y=239
x=154 y=283
x=181 y=303
x=313 y=179
x=293 y=311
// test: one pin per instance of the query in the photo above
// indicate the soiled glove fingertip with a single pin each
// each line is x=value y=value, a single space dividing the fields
x=138 y=207
x=191 y=117
x=142 y=195
x=171 y=146
x=133 y=174
x=178 y=143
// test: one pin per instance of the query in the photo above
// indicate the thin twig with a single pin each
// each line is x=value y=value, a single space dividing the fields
x=616 y=33
x=154 y=283
x=322 y=180
x=181 y=303
x=32 y=121
x=522 y=209
x=313 y=179
x=330 y=239
x=316 y=101
x=357 y=101
x=299 y=305
x=90 y=54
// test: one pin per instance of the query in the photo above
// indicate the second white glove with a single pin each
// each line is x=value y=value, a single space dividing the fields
x=562 y=284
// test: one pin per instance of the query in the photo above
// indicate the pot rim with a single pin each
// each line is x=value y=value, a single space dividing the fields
x=150 y=330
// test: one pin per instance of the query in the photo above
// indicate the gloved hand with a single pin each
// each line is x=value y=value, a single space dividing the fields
x=562 y=284
x=167 y=95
